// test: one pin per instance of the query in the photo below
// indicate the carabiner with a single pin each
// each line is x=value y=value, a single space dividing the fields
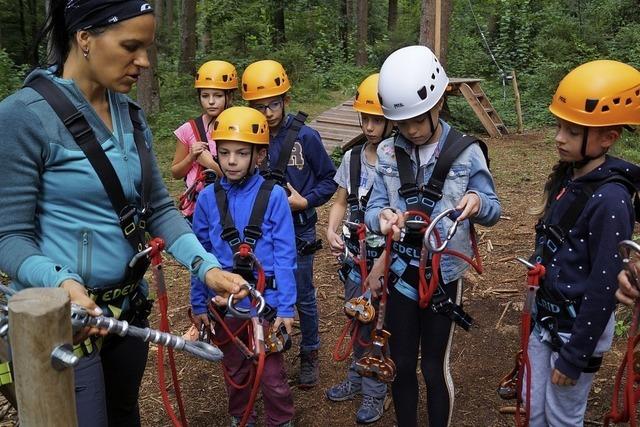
x=453 y=215
x=628 y=249
x=243 y=313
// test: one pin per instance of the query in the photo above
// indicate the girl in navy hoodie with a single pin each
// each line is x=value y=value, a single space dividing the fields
x=587 y=209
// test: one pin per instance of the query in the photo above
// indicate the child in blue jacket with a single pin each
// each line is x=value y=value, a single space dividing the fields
x=308 y=172
x=242 y=136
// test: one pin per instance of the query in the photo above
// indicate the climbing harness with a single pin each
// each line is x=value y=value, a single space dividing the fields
x=376 y=363
x=256 y=348
x=190 y=195
x=626 y=392
x=511 y=386
x=359 y=310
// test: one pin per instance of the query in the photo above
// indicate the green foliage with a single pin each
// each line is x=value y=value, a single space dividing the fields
x=11 y=76
x=623 y=320
x=336 y=156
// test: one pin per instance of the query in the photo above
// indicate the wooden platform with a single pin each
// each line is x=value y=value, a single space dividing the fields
x=340 y=125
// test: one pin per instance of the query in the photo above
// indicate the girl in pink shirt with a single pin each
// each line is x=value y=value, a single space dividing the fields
x=215 y=82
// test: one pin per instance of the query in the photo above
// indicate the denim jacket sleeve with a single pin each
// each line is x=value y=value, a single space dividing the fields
x=481 y=183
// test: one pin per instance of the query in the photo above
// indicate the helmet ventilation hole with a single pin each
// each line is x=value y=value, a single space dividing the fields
x=432 y=87
x=422 y=93
x=277 y=81
x=628 y=101
x=225 y=77
x=255 y=128
x=616 y=101
x=244 y=86
x=590 y=105
x=605 y=108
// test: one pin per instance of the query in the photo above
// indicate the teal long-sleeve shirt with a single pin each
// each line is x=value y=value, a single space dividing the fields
x=57 y=222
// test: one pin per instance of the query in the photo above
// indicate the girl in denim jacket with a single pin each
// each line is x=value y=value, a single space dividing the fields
x=411 y=88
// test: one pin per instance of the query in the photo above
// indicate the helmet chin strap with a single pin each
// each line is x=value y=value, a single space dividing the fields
x=433 y=127
x=583 y=151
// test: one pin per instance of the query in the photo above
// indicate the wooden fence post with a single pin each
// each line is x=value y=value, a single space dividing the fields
x=40 y=321
x=516 y=94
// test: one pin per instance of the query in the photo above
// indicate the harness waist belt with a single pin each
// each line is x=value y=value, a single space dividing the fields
x=305 y=217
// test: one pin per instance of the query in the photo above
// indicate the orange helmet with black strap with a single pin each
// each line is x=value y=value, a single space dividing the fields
x=217 y=75
x=264 y=79
x=598 y=94
x=241 y=124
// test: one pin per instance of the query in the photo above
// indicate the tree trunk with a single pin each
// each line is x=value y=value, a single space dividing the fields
x=427 y=23
x=447 y=8
x=33 y=32
x=278 y=23
x=158 y=7
x=188 y=36
x=343 y=27
x=362 y=12
x=170 y=13
x=148 y=86
x=392 y=16
x=23 y=33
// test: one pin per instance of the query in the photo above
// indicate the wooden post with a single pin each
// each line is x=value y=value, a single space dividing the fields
x=39 y=321
x=516 y=94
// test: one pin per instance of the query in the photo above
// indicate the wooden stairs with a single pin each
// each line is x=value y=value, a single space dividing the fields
x=471 y=90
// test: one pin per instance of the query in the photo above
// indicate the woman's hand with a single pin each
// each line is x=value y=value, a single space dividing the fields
x=469 y=205
x=391 y=221
x=225 y=283
x=287 y=321
x=336 y=245
x=78 y=295
x=627 y=292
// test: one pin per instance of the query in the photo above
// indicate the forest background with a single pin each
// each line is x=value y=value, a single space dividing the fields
x=329 y=46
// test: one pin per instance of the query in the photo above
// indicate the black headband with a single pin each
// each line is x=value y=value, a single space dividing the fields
x=86 y=14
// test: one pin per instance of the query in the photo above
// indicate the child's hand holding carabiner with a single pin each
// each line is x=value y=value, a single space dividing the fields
x=390 y=221
x=469 y=205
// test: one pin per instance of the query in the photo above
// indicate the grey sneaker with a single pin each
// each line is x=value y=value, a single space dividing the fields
x=309 y=369
x=371 y=409
x=346 y=390
x=235 y=422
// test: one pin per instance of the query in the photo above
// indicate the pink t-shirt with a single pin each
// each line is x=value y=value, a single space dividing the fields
x=186 y=136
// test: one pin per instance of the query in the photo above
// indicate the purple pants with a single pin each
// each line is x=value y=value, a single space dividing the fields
x=276 y=394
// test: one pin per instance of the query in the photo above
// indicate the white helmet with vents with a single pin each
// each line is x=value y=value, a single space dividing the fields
x=412 y=81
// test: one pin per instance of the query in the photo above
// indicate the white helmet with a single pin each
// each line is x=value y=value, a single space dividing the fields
x=412 y=81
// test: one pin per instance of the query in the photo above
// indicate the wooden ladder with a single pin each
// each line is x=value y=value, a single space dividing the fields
x=481 y=105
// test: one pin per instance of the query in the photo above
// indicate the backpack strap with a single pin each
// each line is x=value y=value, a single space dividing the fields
x=278 y=172
x=356 y=212
x=425 y=198
x=555 y=234
x=84 y=136
x=253 y=230
x=199 y=126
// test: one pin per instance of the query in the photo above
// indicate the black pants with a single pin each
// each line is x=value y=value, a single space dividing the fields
x=108 y=382
x=412 y=329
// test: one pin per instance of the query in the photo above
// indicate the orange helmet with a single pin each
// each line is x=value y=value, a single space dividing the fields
x=264 y=79
x=599 y=93
x=217 y=75
x=241 y=124
x=367 y=100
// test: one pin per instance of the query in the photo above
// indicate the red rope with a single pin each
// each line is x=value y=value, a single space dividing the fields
x=630 y=390
x=157 y=245
x=533 y=282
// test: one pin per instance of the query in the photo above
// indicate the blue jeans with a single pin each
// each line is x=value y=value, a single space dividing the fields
x=306 y=301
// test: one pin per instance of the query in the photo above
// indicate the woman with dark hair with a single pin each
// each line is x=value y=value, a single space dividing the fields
x=79 y=194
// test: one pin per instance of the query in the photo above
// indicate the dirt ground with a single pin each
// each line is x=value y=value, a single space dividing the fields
x=479 y=358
